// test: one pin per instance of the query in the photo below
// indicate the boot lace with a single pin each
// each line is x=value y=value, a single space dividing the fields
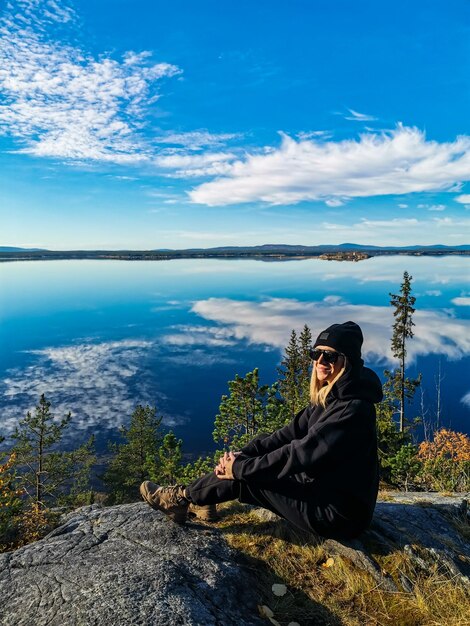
x=175 y=494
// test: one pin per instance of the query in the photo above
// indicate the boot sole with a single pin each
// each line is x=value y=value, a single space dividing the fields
x=143 y=493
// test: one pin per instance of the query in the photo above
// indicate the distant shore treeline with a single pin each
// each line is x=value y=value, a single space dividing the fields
x=346 y=252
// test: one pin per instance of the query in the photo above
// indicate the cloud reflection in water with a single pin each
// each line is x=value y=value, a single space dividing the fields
x=271 y=321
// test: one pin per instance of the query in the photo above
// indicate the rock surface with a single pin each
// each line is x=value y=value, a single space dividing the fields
x=126 y=565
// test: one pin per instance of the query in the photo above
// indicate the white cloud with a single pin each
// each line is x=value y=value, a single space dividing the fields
x=463 y=199
x=334 y=202
x=60 y=101
x=186 y=165
x=47 y=10
x=402 y=206
x=359 y=117
x=437 y=207
x=195 y=140
x=317 y=134
x=333 y=299
x=270 y=321
x=398 y=162
x=450 y=221
x=208 y=235
x=433 y=292
x=461 y=301
x=396 y=231
x=396 y=222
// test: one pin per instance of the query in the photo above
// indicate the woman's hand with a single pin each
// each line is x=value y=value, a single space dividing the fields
x=224 y=469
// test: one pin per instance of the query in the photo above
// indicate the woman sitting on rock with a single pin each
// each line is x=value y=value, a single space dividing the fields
x=320 y=471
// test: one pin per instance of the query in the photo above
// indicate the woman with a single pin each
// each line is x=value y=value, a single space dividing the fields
x=320 y=471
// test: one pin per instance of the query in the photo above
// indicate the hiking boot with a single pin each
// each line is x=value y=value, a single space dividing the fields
x=206 y=513
x=169 y=500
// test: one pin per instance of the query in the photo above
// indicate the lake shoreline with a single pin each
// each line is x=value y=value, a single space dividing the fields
x=345 y=255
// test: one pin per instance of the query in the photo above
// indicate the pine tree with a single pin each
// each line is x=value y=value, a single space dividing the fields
x=405 y=466
x=195 y=469
x=401 y=386
x=389 y=438
x=168 y=470
x=289 y=374
x=137 y=457
x=73 y=470
x=305 y=345
x=10 y=503
x=247 y=410
x=41 y=469
x=295 y=371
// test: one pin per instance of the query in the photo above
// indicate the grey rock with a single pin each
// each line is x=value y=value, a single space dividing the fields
x=129 y=565
x=126 y=565
x=425 y=527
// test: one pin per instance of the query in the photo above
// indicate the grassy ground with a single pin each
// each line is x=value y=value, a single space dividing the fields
x=322 y=590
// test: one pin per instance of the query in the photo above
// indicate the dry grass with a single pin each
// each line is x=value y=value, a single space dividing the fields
x=385 y=495
x=339 y=594
x=461 y=524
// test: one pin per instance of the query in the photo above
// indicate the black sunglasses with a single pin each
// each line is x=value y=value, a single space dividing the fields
x=329 y=356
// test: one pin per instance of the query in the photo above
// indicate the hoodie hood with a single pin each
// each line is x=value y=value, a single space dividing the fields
x=357 y=382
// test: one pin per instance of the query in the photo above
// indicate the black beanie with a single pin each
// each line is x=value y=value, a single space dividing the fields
x=345 y=338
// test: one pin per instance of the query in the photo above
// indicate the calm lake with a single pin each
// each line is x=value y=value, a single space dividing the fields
x=99 y=337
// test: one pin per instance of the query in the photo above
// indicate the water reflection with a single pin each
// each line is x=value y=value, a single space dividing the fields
x=270 y=322
x=98 y=337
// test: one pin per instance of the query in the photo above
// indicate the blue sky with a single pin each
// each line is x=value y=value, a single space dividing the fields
x=156 y=125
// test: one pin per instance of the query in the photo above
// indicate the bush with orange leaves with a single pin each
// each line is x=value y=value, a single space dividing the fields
x=34 y=523
x=446 y=461
x=19 y=524
x=10 y=504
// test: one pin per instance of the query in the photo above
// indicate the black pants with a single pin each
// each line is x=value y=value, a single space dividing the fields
x=296 y=499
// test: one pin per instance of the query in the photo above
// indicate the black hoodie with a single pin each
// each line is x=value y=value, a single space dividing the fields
x=333 y=448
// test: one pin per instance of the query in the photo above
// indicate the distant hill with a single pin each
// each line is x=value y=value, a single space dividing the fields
x=289 y=248
x=13 y=249
x=265 y=252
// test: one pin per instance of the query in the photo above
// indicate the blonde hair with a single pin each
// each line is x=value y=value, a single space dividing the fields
x=318 y=390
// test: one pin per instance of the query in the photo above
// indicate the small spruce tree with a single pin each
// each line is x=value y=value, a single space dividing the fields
x=289 y=374
x=305 y=345
x=168 y=470
x=41 y=466
x=405 y=466
x=10 y=503
x=248 y=410
x=195 y=469
x=73 y=469
x=137 y=457
x=295 y=371
x=389 y=438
